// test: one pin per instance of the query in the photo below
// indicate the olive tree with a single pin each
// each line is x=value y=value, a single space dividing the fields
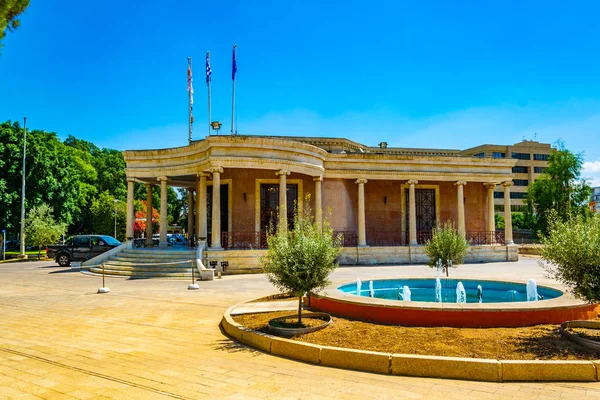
x=41 y=228
x=300 y=261
x=572 y=254
x=447 y=245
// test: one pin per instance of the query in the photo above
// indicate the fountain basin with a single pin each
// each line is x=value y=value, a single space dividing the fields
x=557 y=307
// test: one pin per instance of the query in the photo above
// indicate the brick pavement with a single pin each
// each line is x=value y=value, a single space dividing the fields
x=154 y=339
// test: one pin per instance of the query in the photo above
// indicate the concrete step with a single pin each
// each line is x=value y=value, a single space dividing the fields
x=147 y=268
x=160 y=253
x=136 y=261
x=141 y=274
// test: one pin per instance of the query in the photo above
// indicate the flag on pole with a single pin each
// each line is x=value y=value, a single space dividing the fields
x=233 y=64
x=190 y=87
x=208 y=70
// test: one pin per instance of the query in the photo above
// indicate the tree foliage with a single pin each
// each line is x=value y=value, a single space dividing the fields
x=9 y=15
x=40 y=227
x=559 y=190
x=300 y=261
x=572 y=254
x=103 y=211
x=447 y=245
x=139 y=224
x=75 y=178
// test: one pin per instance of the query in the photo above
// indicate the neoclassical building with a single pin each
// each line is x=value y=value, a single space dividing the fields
x=383 y=200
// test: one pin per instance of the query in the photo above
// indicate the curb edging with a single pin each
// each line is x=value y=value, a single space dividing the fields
x=478 y=369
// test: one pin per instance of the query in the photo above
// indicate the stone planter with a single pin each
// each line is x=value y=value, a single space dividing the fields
x=587 y=343
x=289 y=332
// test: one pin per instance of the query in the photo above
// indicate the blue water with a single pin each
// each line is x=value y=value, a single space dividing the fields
x=424 y=290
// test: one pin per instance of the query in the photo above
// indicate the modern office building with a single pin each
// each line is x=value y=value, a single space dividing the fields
x=532 y=160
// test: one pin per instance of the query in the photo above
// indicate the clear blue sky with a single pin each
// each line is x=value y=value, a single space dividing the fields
x=425 y=74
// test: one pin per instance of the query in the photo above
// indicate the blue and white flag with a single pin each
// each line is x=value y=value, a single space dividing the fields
x=208 y=70
x=233 y=64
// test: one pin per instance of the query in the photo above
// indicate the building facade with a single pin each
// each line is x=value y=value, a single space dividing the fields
x=384 y=201
x=532 y=160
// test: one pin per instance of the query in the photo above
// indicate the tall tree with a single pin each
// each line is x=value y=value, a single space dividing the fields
x=9 y=13
x=559 y=190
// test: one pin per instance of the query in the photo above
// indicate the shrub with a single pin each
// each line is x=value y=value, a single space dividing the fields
x=446 y=244
x=300 y=260
x=572 y=255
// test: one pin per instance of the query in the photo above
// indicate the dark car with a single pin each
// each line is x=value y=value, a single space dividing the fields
x=81 y=248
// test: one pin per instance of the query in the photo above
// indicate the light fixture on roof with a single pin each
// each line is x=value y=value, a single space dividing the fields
x=216 y=126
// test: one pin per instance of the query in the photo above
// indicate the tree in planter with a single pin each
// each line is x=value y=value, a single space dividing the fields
x=446 y=244
x=299 y=261
x=572 y=254
x=40 y=227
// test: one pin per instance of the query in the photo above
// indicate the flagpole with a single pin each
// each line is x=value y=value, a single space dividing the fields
x=191 y=118
x=208 y=85
x=233 y=71
x=22 y=254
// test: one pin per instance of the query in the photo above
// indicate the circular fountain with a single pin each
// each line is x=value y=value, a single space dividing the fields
x=453 y=302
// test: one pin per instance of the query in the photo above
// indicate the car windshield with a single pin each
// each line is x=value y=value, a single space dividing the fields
x=110 y=240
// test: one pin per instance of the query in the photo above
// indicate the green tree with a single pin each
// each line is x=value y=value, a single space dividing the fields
x=301 y=260
x=103 y=216
x=40 y=227
x=9 y=15
x=447 y=245
x=572 y=254
x=50 y=175
x=559 y=190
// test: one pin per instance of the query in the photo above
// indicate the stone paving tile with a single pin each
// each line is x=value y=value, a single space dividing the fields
x=154 y=339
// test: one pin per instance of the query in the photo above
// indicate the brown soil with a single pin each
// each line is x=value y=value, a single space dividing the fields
x=541 y=342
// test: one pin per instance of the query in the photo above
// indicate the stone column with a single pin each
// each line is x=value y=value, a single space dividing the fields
x=163 y=211
x=149 y=225
x=508 y=236
x=190 y=215
x=412 y=213
x=201 y=225
x=282 y=226
x=318 y=203
x=216 y=209
x=491 y=223
x=129 y=230
x=362 y=235
x=460 y=198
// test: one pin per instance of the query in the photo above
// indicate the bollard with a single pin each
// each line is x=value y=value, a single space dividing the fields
x=103 y=289
x=194 y=285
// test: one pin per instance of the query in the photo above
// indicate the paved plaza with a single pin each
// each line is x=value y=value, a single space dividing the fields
x=154 y=339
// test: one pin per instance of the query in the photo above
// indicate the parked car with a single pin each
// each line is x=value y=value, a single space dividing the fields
x=80 y=248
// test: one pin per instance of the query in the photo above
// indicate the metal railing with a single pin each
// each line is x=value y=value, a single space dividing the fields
x=485 y=237
x=244 y=240
x=382 y=238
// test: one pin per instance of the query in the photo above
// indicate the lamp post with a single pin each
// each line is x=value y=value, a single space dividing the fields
x=115 y=201
x=22 y=254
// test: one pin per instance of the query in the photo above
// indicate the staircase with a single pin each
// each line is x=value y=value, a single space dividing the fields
x=150 y=263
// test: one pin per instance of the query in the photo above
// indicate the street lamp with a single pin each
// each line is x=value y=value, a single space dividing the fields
x=115 y=201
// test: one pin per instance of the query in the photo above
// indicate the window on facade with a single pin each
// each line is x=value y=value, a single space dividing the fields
x=517 y=195
x=479 y=155
x=499 y=207
x=496 y=154
x=521 y=182
x=540 y=157
x=521 y=156
x=539 y=170
x=498 y=195
x=520 y=170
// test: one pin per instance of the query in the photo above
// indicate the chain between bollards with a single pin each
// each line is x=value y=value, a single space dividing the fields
x=194 y=285
x=103 y=289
